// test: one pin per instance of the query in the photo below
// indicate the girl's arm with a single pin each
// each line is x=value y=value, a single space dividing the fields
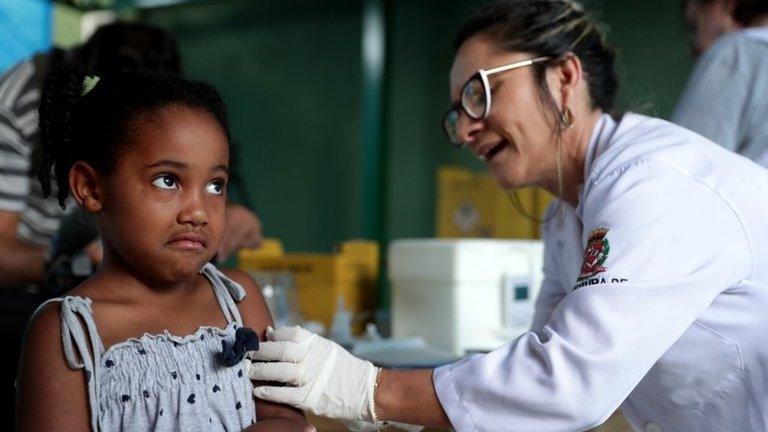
x=271 y=416
x=50 y=395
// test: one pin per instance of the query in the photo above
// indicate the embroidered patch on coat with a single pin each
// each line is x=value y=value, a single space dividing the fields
x=595 y=254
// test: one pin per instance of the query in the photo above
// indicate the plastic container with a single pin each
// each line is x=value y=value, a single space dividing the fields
x=464 y=295
x=472 y=205
x=320 y=279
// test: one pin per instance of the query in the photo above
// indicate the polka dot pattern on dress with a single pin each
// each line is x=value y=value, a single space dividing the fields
x=156 y=380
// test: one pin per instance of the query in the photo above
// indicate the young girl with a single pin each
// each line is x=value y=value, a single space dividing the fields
x=154 y=339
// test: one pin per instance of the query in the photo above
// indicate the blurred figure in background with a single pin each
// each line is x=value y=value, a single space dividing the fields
x=725 y=98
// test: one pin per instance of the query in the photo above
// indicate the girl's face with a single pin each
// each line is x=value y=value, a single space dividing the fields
x=516 y=138
x=163 y=206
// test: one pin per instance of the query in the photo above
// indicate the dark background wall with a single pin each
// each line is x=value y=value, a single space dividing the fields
x=291 y=74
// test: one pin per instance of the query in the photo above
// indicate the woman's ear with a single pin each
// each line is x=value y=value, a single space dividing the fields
x=84 y=186
x=569 y=74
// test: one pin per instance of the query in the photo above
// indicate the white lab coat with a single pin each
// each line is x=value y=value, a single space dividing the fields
x=672 y=320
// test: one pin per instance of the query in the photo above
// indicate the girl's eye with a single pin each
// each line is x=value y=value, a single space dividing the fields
x=215 y=187
x=165 y=181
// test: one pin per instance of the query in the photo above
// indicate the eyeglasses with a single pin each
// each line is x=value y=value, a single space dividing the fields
x=475 y=99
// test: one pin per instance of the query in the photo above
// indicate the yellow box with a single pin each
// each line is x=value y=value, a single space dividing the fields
x=320 y=279
x=473 y=205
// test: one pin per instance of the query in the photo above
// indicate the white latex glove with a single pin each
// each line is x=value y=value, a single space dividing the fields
x=323 y=377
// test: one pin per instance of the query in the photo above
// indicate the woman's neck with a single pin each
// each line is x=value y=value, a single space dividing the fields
x=567 y=185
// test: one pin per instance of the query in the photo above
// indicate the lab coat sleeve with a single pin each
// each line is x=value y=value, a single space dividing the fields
x=552 y=288
x=674 y=245
x=716 y=95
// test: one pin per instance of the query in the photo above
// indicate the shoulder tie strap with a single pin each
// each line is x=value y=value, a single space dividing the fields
x=78 y=337
x=227 y=292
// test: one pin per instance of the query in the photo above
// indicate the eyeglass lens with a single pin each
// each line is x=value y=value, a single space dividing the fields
x=474 y=104
x=450 y=125
x=473 y=98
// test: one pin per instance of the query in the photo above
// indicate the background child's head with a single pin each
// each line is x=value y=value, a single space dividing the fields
x=146 y=152
x=128 y=45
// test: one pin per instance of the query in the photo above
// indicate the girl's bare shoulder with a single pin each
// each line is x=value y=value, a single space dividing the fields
x=253 y=308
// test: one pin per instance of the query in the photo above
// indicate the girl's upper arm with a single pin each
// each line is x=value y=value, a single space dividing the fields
x=253 y=308
x=256 y=315
x=50 y=395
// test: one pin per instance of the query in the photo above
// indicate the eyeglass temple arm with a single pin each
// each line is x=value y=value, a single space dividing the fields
x=516 y=65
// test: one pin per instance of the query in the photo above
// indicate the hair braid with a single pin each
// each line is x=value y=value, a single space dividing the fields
x=61 y=91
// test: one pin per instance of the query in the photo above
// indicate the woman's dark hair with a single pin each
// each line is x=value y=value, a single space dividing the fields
x=96 y=127
x=551 y=28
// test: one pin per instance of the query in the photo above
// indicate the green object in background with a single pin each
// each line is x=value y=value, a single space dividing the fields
x=72 y=26
x=373 y=43
x=66 y=26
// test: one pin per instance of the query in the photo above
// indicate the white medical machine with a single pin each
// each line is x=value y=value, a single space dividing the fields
x=464 y=295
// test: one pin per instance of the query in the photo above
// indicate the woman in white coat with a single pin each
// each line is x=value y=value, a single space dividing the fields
x=655 y=295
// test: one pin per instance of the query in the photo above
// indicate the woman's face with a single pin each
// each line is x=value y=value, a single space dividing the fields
x=516 y=139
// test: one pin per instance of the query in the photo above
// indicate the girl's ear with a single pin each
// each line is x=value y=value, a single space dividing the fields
x=84 y=186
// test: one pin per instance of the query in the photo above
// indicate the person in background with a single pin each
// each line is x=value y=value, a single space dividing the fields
x=725 y=98
x=28 y=221
x=655 y=285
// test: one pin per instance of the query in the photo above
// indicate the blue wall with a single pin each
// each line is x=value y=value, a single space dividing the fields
x=25 y=28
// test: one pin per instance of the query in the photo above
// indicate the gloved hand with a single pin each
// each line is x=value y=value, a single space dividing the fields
x=323 y=377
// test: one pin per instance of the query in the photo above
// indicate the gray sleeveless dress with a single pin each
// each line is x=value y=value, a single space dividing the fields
x=161 y=382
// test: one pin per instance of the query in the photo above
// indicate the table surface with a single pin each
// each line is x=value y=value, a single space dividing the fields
x=614 y=424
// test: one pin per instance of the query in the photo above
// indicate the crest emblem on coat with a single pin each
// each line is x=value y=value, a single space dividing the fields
x=595 y=254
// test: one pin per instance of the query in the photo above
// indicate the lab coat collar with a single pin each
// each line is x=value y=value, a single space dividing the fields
x=598 y=143
x=757 y=33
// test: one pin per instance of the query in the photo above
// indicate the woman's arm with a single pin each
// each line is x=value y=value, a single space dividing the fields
x=50 y=395
x=409 y=397
x=271 y=416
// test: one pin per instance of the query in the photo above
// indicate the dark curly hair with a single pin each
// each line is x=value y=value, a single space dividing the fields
x=128 y=45
x=95 y=128
x=550 y=28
